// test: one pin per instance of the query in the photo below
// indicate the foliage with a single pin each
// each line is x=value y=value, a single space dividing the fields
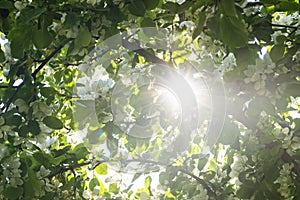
x=44 y=153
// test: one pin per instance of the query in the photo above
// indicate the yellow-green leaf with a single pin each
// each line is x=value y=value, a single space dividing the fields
x=101 y=169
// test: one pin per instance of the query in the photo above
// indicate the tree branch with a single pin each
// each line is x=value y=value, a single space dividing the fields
x=180 y=169
x=9 y=101
x=284 y=26
x=34 y=74
x=210 y=192
x=251 y=4
x=6 y=86
x=135 y=47
x=44 y=62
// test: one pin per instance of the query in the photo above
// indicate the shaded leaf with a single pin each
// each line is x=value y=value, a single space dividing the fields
x=277 y=52
x=41 y=38
x=150 y=4
x=199 y=26
x=34 y=127
x=234 y=33
x=53 y=122
x=137 y=8
x=84 y=37
x=12 y=193
x=27 y=14
x=228 y=7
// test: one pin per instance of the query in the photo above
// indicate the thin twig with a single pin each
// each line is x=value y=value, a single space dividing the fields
x=9 y=101
x=199 y=180
x=34 y=74
x=6 y=86
x=44 y=62
x=284 y=26
x=75 y=183
x=135 y=47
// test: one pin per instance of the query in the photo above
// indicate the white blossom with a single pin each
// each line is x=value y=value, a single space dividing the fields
x=22 y=105
x=87 y=194
x=40 y=109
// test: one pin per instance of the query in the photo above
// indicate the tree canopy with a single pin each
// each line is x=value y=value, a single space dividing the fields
x=150 y=99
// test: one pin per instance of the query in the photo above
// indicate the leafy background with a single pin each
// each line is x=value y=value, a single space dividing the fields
x=253 y=44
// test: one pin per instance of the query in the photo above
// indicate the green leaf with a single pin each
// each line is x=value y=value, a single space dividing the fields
x=292 y=89
x=172 y=7
x=214 y=25
x=84 y=37
x=277 y=52
x=12 y=193
x=48 y=92
x=28 y=190
x=245 y=191
x=2 y=56
x=234 y=33
x=136 y=176
x=150 y=4
x=35 y=182
x=20 y=38
x=14 y=120
x=71 y=20
x=259 y=104
x=48 y=196
x=23 y=131
x=209 y=175
x=199 y=26
x=41 y=38
x=147 y=183
x=53 y=122
x=93 y=183
x=43 y=158
x=80 y=151
x=148 y=22
x=228 y=8
x=288 y=6
x=175 y=8
x=163 y=177
x=113 y=188
x=28 y=14
x=137 y=8
x=4 y=4
x=17 y=49
x=34 y=127
x=101 y=169
x=297 y=127
x=229 y=133
x=202 y=162
x=46 y=19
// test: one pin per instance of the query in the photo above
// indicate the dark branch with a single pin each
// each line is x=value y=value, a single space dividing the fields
x=285 y=26
x=44 y=62
x=6 y=86
x=68 y=168
x=9 y=101
x=253 y=4
x=75 y=183
x=135 y=46
x=34 y=73
x=199 y=180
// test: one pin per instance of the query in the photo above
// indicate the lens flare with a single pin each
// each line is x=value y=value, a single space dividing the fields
x=149 y=109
